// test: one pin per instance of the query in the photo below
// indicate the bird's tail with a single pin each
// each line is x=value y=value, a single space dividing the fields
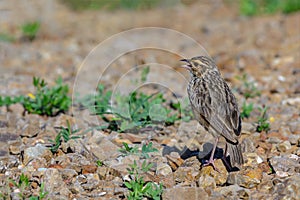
x=235 y=152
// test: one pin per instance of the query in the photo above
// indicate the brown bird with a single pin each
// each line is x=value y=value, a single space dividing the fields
x=214 y=106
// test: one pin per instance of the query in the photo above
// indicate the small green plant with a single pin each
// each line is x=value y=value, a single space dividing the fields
x=138 y=188
x=30 y=30
x=246 y=110
x=262 y=121
x=7 y=101
x=256 y=7
x=42 y=193
x=48 y=101
x=99 y=163
x=112 y=5
x=249 y=90
x=22 y=185
x=146 y=149
x=6 y=37
x=144 y=153
x=64 y=135
x=126 y=150
x=145 y=72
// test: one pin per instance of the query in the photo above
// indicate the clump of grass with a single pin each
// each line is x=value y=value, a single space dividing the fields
x=112 y=5
x=138 y=188
x=64 y=135
x=262 y=121
x=257 y=7
x=6 y=37
x=133 y=111
x=144 y=153
x=30 y=30
x=46 y=100
x=246 y=110
x=248 y=89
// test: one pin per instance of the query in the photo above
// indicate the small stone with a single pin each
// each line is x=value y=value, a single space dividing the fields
x=207 y=181
x=31 y=129
x=68 y=174
x=285 y=163
x=89 y=169
x=104 y=149
x=17 y=109
x=163 y=169
x=248 y=128
x=234 y=192
x=293 y=139
x=38 y=151
x=180 y=193
x=292 y=101
x=244 y=180
x=219 y=177
x=53 y=182
x=184 y=174
x=15 y=147
x=284 y=146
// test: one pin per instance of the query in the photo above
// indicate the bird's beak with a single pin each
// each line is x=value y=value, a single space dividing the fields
x=187 y=64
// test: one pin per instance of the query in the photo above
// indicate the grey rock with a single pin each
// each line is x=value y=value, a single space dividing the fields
x=104 y=149
x=15 y=147
x=17 y=109
x=207 y=181
x=31 y=129
x=68 y=174
x=293 y=139
x=236 y=178
x=248 y=128
x=38 y=151
x=286 y=164
x=163 y=169
x=234 y=192
x=55 y=185
x=284 y=146
x=248 y=145
x=180 y=193
x=288 y=188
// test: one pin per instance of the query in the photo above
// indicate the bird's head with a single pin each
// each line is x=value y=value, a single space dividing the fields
x=199 y=65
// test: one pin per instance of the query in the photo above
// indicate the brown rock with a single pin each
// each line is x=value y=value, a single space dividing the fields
x=15 y=147
x=38 y=151
x=88 y=169
x=31 y=129
x=180 y=193
x=219 y=177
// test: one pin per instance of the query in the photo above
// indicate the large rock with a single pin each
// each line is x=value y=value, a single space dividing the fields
x=185 y=193
x=36 y=152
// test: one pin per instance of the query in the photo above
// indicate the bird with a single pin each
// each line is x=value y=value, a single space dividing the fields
x=215 y=107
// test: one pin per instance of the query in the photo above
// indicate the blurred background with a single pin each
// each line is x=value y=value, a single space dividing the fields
x=52 y=38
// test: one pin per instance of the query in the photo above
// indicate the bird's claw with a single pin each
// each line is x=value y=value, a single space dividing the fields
x=211 y=163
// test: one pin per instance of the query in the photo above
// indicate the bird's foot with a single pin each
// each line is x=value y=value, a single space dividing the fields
x=211 y=163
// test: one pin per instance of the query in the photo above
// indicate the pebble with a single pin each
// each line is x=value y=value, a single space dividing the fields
x=179 y=193
x=36 y=152
x=285 y=164
x=284 y=146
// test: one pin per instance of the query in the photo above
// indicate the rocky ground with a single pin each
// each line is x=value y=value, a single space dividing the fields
x=266 y=48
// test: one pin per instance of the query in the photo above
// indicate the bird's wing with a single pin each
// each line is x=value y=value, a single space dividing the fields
x=219 y=112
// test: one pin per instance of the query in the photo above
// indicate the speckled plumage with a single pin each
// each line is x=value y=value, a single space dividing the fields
x=214 y=105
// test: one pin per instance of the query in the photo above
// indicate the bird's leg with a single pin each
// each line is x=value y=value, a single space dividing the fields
x=211 y=159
